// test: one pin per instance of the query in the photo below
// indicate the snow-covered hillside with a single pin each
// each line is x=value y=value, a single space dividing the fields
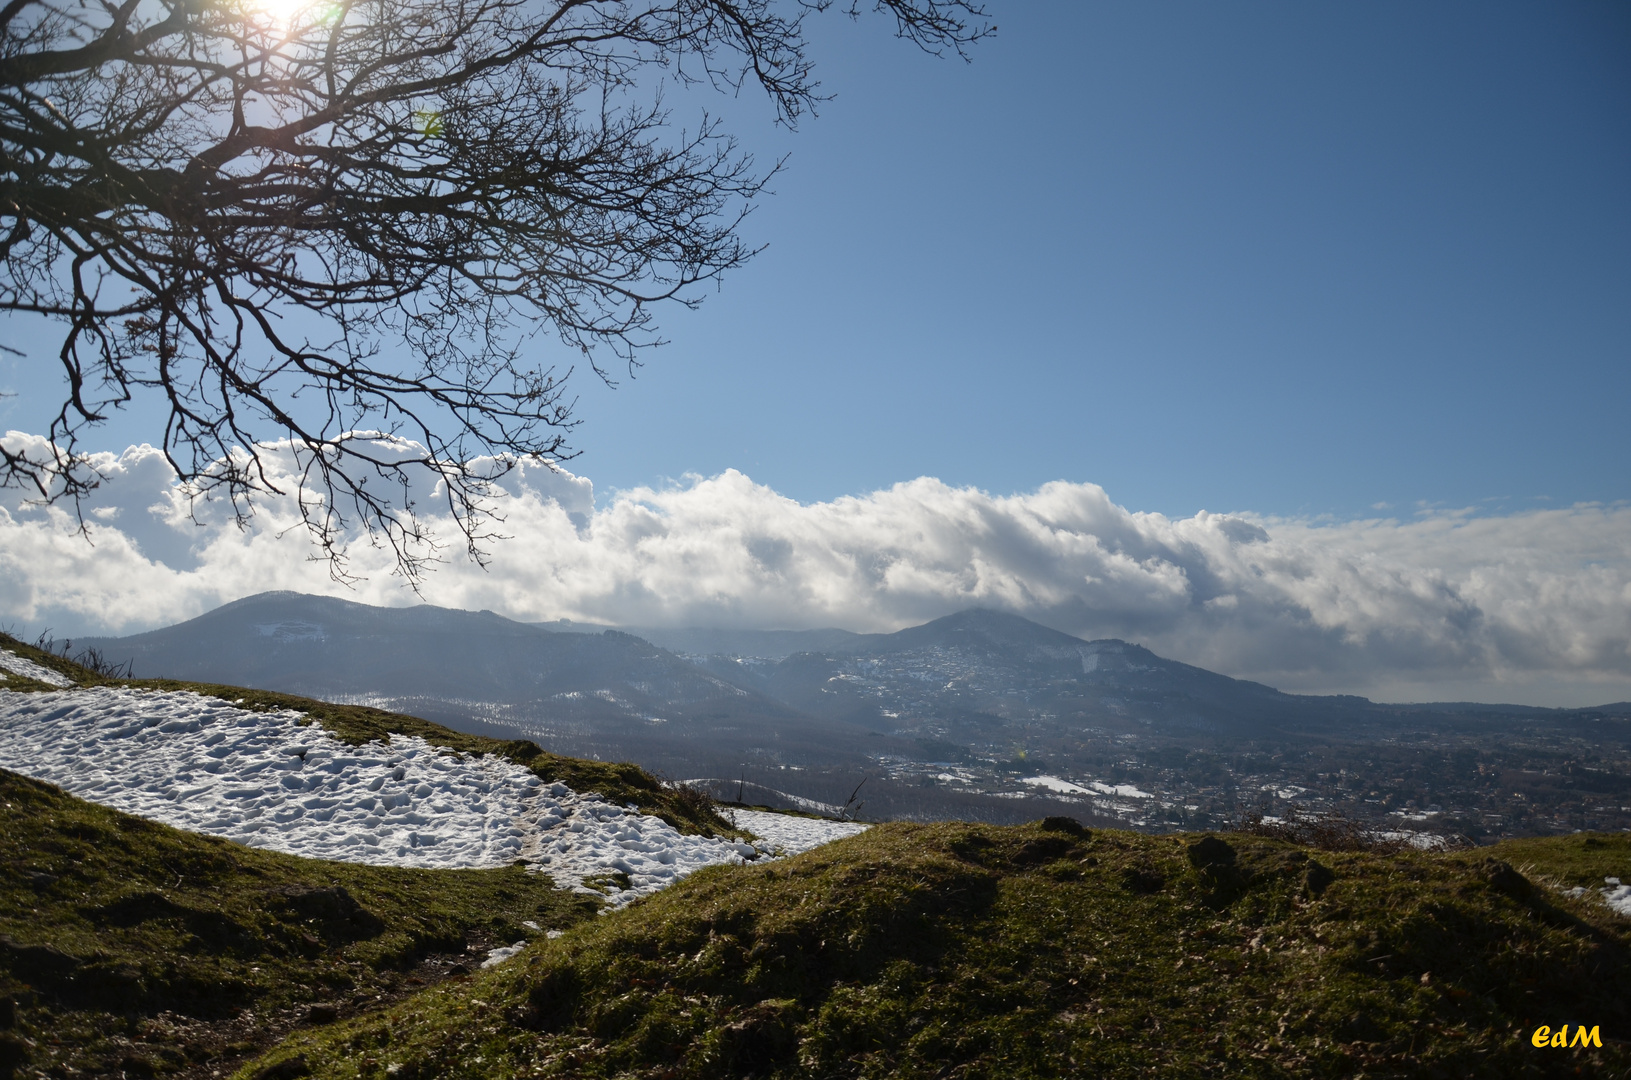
x=10 y=661
x=267 y=780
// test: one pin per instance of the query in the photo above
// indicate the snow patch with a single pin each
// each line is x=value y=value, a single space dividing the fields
x=1617 y=896
x=789 y=835
x=285 y=632
x=266 y=780
x=497 y=956
x=1126 y=791
x=1421 y=841
x=589 y=845
x=1053 y=783
x=17 y=665
x=1094 y=787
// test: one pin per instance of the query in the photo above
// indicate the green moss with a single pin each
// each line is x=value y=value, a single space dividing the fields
x=941 y=950
x=1568 y=861
x=119 y=936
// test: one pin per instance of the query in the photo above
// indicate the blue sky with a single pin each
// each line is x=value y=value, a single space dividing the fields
x=1270 y=257
x=1346 y=270
x=1287 y=258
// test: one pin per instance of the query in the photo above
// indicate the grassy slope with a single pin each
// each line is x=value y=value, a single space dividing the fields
x=619 y=782
x=130 y=946
x=969 y=951
x=127 y=948
x=935 y=951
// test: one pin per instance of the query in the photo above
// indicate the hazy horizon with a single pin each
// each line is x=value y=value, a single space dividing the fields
x=1524 y=608
x=577 y=626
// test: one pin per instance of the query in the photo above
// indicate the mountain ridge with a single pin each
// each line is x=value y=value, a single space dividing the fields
x=980 y=715
x=778 y=644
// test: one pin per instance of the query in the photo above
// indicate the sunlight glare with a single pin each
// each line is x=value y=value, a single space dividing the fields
x=285 y=14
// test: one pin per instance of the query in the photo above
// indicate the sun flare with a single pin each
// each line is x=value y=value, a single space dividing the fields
x=288 y=14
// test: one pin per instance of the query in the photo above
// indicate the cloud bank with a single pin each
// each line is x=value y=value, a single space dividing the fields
x=1532 y=607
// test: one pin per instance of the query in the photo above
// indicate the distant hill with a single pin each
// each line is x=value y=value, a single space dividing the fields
x=770 y=644
x=599 y=692
x=979 y=715
x=978 y=665
x=322 y=646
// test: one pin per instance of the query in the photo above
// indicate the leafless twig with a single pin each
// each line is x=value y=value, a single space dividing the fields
x=340 y=230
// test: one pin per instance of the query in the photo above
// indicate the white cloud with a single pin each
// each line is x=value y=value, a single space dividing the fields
x=1521 y=607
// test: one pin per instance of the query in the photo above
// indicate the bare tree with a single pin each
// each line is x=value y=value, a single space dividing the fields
x=343 y=225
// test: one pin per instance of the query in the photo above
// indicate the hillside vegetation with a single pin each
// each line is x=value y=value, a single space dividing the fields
x=130 y=947
x=952 y=950
x=917 y=951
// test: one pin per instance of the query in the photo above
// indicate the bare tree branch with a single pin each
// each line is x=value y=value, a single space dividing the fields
x=344 y=226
